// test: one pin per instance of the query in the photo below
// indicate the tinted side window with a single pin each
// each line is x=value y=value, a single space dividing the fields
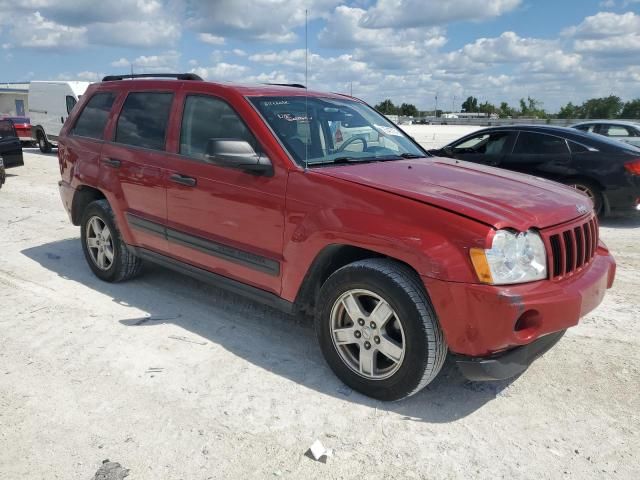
x=94 y=117
x=6 y=129
x=487 y=143
x=539 y=144
x=143 y=120
x=71 y=102
x=207 y=118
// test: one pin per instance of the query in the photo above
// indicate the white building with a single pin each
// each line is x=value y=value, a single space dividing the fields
x=14 y=99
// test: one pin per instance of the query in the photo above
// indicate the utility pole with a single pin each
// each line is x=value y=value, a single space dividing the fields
x=436 y=112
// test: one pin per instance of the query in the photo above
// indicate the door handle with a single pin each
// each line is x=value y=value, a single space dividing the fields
x=112 y=162
x=183 y=180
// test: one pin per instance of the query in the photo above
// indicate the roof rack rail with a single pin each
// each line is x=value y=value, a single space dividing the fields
x=177 y=76
x=295 y=85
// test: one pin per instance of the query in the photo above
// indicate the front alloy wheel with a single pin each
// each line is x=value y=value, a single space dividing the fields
x=377 y=329
x=367 y=334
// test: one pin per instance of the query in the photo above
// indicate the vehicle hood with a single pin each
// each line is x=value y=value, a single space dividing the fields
x=496 y=197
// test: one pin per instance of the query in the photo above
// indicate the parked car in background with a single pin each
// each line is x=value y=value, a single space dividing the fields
x=628 y=132
x=50 y=103
x=401 y=258
x=607 y=171
x=23 y=129
x=10 y=147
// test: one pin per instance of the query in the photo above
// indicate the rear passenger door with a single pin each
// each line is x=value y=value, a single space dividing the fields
x=223 y=219
x=133 y=165
x=539 y=154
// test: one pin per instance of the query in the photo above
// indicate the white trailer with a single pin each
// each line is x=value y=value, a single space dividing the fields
x=49 y=106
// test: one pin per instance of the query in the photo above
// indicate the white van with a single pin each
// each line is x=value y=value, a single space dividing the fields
x=49 y=106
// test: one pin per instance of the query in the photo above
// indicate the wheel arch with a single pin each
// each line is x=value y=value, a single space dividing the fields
x=602 y=190
x=327 y=261
x=83 y=196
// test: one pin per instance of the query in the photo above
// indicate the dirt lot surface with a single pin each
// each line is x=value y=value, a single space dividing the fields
x=174 y=379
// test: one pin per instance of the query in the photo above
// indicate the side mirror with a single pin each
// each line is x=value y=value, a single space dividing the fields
x=235 y=153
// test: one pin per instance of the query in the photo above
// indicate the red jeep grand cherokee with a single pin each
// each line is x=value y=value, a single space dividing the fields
x=314 y=202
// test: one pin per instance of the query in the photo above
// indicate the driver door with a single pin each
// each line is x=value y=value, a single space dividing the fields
x=223 y=219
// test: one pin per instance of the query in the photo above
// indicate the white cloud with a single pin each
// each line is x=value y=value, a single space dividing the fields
x=264 y=20
x=222 y=72
x=605 y=24
x=38 y=32
x=164 y=62
x=607 y=34
x=211 y=39
x=419 y=13
x=50 y=24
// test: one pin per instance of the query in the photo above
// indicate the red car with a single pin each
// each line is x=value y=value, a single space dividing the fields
x=401 y=257
x=23 y=129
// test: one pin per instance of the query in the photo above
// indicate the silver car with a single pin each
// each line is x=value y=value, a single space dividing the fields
x=628 y=132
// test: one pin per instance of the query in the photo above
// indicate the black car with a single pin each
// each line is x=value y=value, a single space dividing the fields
x=606 y=170
x=10 y=148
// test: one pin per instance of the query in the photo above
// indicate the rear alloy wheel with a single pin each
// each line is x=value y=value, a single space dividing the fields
x=377 y=329
x=43 y=143
x=590 y=191
x=99 y=243
x=107 y=255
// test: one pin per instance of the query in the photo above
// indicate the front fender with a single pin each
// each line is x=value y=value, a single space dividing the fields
x=434 y=242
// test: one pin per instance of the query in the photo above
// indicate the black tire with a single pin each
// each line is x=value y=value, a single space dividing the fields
x=43 y=143
x=125 y=265
x=425 y=349
x=591 y=190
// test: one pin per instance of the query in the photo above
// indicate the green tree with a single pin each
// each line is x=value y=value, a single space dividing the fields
x=570 y=111
x=387 y=107
x=605 y=107
x=470 y=104
x=531 y=108
x=506 y=111
x=631 y=109
x=487 y=108
x=408 y=110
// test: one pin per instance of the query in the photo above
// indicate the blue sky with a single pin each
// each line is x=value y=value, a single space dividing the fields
x=406 y=50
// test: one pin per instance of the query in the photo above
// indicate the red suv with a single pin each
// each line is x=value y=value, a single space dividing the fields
x=314 y=202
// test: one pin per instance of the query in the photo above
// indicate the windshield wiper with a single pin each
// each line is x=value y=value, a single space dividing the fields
x=411 y=155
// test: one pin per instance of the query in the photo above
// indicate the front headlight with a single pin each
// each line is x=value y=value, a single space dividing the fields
x=512 y=258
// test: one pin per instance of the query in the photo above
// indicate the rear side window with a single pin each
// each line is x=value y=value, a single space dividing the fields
x=529 y=143
x=208 y=118
x=143 y=120
x=615 y=131
x=577 y=147
x=94 y=117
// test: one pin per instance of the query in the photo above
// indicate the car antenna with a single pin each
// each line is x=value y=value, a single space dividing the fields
x=306 y=84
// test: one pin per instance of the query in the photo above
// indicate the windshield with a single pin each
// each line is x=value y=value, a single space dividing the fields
x=326 y=131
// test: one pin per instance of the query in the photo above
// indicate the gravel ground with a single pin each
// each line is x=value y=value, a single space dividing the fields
x=174 y=379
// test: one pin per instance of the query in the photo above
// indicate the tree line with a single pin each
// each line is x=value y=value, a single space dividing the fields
x=604 y=107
